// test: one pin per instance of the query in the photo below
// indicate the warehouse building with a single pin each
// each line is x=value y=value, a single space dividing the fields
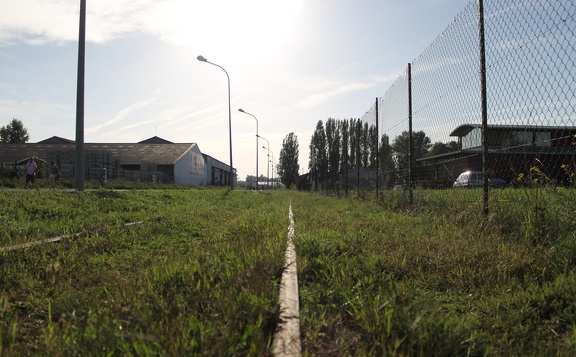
x=512 y=150
x=151 y=160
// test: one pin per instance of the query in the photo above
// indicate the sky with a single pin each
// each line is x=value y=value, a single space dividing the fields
x=291 y=63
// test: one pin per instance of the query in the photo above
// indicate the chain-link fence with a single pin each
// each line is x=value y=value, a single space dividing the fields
x=483 y=117
x=488 y=105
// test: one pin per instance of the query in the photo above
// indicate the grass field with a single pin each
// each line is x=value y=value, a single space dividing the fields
x=437 y=278
x=199 y=273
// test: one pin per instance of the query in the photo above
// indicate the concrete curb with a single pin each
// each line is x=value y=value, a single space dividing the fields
x=287 y=336
x=51 y=240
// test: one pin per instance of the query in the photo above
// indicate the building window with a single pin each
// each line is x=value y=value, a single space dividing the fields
x=507 y=138
x=543 y=138
x=168 y=169
x=130 y=167
x=522 y=138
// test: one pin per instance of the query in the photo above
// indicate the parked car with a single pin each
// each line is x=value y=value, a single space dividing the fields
x=497 y=183
x=469 y=179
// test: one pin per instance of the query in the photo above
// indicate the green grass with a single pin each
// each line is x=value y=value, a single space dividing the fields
x=433 y=279
x=199 y=275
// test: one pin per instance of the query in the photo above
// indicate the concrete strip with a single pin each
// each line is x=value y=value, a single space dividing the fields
x=50 y=240
x=38 y=242
x=287 y=337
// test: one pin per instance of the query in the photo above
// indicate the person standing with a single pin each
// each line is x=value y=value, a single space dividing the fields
x=103 y=177
x=54 y=174
x=31 y=168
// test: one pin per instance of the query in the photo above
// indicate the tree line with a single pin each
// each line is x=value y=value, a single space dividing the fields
x=340 y=146
x=336 y=148
x=14 y=133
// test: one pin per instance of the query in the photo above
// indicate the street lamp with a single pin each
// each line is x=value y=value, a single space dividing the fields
x=273 y=166
x=268 y=166
x=268 y=161
x=242 y=111
x=202 y=59
x=270 y=153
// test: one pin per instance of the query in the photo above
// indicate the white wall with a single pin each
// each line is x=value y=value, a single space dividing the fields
x=190 y=168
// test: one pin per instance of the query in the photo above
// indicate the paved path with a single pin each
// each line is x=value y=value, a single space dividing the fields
x=287 y=336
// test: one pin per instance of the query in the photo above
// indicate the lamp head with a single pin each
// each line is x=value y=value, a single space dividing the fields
x=241 y=110
x=201 y=59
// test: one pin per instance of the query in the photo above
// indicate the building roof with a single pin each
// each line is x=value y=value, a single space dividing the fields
x=127 y=153
x=56 y=140
x=155 y=140
x=464 y=129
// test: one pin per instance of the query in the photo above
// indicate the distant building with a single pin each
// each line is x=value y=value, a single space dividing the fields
x=303 y=182
x=512 y=149
x=151 y=160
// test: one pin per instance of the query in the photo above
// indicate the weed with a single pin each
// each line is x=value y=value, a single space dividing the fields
x=132 y=290
x=200 y=274
x=427 y=281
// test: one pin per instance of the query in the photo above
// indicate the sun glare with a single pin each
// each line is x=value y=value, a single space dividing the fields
x=225 y=27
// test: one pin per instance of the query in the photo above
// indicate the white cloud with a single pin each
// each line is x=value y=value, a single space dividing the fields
x=121 y=115
x=330 y=90
x=34 y=21
x=320 y=91
x=238 y=24
x=39 y=21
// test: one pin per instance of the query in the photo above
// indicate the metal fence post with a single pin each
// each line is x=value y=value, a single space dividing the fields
x=377 y=146
x=79 y=179
x=484 y=103
x=358 y=153
x=410 y=143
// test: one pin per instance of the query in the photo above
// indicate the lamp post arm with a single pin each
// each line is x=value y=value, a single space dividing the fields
x=257 y=136
x=203 y=59
x=266 y=142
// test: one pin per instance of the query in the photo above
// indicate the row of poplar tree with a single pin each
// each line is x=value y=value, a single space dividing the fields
x=343 y=145
x=340 y=146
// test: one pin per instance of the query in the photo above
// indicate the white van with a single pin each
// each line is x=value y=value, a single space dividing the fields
x=470 y=179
